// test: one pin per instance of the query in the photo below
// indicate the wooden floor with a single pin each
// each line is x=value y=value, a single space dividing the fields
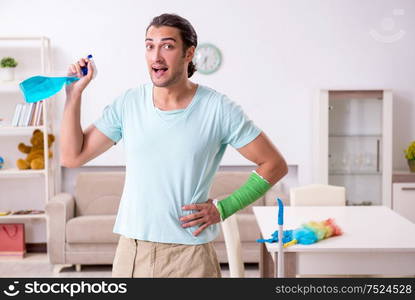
x=37 y=265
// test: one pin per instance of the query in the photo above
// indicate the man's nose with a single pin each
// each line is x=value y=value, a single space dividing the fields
x=156 y=55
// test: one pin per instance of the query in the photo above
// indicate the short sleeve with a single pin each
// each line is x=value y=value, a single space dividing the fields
x=110 y=122
x=238 y=129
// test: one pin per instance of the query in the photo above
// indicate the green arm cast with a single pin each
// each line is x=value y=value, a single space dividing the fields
x=252 y=190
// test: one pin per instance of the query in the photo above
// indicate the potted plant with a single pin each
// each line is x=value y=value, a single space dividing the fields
x=7 y=65
x=410 y=156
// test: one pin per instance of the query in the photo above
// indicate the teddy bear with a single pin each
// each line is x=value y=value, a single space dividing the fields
x=35 y=154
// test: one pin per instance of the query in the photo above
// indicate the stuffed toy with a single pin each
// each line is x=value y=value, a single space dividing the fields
x=35 y=154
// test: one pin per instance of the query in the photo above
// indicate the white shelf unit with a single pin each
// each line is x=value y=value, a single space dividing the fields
x=15 y=130
x=51 y=173
x=17 y=218
x=352 y=138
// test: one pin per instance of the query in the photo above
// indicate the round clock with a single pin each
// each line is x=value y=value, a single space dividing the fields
x=207 y=58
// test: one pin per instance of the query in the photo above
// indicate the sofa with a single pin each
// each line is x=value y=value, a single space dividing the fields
x=79 y=230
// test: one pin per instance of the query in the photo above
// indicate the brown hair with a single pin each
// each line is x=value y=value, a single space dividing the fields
x=187 y=33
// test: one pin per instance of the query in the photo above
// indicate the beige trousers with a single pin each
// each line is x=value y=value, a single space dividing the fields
x=136 y=258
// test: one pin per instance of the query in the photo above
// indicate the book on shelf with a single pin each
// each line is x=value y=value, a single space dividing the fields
x=17 y=110
x=39 y=116
x=21 y=115
x=32 y=119
x=28 y=114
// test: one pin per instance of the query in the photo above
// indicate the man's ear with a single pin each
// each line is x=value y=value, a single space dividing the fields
x=190 y=52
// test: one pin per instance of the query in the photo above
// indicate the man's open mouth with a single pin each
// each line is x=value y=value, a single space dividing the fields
x=159 y=71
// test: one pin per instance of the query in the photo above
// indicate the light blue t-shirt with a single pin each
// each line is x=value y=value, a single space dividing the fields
x=171 y=158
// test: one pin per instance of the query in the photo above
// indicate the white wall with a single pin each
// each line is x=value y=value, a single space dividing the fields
x=276 y=53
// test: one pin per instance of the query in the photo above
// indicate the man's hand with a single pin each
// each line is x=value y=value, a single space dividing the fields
x=77 y=87
x=207 y=215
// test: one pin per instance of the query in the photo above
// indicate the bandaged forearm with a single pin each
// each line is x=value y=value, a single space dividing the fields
x=252 y=190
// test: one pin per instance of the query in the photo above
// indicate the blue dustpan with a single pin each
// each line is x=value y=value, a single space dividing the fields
x=37 y=88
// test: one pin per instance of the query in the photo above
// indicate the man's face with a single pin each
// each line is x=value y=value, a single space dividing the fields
x=166 y=61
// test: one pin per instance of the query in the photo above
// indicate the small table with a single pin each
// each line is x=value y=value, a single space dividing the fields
x=375 y=241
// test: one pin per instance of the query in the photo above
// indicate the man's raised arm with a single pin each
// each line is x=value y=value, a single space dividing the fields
x=78 y=147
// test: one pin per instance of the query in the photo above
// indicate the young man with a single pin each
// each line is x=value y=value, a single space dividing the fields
x=175 y=134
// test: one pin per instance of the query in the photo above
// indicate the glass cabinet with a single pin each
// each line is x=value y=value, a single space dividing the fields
x=353 y=144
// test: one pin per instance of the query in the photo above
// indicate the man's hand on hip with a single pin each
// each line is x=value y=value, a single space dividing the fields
x=207 y=215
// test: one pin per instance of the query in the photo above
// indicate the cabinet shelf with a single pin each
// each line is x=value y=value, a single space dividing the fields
x=22 y=37
x=19 y=130
x=10 y=86
x=19 y=217
x=356 y=135
x=354 y=173
x=14 y=172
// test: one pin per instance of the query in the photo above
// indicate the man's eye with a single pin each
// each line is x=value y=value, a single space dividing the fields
x=168 y=46
x=149 y=47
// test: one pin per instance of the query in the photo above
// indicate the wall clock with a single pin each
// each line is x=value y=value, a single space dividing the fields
x=207 y=59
